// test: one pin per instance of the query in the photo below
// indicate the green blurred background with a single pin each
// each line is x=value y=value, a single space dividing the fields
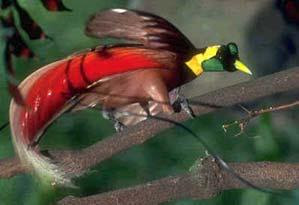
x=267 y=44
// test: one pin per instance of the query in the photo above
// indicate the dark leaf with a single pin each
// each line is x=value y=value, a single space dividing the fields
x=290 y=10
x=8 y=60
x=55 y=5
x=12 y=85
x=15 y=43
x=33 y=30
x=18 y=47
x=5 y=3
x=7 y=22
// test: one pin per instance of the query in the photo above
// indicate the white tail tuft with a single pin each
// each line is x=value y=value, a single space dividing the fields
x=42 y=166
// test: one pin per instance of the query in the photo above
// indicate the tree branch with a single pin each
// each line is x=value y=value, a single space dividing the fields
x=205 y=180
x=79 y=161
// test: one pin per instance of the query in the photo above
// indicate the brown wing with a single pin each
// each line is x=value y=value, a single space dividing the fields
x=121 y=94
x=128 y=115
x=148 y=29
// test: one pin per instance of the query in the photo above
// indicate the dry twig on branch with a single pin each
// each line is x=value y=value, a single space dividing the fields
x=242 y=123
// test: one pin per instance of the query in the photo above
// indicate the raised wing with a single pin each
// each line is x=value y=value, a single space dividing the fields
x=148 y=29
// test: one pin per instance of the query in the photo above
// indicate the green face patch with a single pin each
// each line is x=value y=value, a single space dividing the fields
x=212 y=64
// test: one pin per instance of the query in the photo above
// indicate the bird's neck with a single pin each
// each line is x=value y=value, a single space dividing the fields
x=194 y=64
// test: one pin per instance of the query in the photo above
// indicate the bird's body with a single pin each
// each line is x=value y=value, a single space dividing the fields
x=116 y=77
x=111 y=77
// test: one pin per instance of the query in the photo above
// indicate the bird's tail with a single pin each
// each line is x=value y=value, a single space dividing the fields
x=30 y=156
x=32 y=159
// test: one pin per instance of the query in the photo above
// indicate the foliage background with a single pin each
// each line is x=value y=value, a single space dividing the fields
x=267 y=43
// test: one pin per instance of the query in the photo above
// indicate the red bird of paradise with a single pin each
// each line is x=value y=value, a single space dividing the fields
x=133 y=77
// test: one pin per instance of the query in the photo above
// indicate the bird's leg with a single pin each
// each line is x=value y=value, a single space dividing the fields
x=180 y=102
x=145 y=107
x=109 y=114
x=185 y=106
x=173 y=97
x=118 y=126
x=157 y=91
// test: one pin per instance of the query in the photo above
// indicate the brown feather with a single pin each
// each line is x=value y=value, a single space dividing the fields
x=150 y=30
x=123 y=89
x=125 y=93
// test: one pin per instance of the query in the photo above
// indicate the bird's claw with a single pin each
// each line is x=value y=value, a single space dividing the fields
x=118 y=126
x=182 y=103
x=186 y=107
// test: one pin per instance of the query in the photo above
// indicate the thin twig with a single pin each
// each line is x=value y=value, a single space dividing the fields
x=242 y=123
x=273 y=109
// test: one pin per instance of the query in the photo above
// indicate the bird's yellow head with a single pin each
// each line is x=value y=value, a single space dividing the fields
x=217 y=58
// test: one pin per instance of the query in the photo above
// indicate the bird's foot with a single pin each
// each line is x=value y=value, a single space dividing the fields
x=182 y=103
x=186 y=107
x=118 y=126
x=107 y=114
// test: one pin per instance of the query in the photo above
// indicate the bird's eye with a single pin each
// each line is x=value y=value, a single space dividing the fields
x=233 y=49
